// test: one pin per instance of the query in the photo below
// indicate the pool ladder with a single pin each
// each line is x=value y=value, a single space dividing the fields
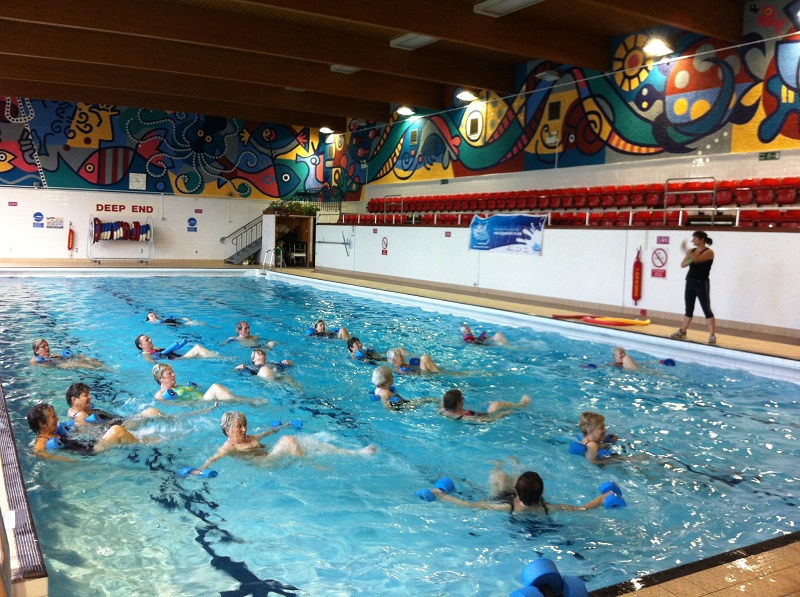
x=270 y=254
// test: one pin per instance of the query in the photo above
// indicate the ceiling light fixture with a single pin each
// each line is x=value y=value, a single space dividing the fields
x=405 y=111
x=467 y=96
x=499 y=8
x=325 y=130
x=657 y=47
x=411 y=41
x=551 y=76
x=344 y=69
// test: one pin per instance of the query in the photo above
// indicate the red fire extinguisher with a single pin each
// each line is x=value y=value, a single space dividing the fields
x=636 y=292
x=70 y=238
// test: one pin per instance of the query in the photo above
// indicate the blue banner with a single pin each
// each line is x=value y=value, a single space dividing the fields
x=517 y=233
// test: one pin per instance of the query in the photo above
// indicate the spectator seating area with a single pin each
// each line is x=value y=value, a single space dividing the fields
x=765 y=202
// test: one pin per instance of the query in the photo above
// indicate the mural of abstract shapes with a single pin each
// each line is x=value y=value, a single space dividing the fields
x=631 y=65
x=91 y=124
x=782 y=88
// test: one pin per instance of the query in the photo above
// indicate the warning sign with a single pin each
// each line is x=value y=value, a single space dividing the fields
x=659 y=258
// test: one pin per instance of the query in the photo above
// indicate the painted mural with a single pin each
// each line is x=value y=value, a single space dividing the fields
x=79 y=146
x=708 y=98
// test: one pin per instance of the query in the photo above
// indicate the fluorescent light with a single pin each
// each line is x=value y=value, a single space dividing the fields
x=345 y=70
x=499 y=8
x=405 y=111
x=550 y=76
x=411 y=41
x=657 y=47
x=467 y=96
x=298 y=89
x=325 y=130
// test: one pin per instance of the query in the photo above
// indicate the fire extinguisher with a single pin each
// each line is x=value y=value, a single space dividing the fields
x=70 y=238
x=636 y=292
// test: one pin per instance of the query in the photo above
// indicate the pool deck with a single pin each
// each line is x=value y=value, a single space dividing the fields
x=768 y=569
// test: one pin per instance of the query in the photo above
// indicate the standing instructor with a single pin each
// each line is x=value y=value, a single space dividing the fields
x=699 y=261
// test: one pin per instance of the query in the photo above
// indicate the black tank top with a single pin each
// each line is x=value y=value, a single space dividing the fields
x=700 y=271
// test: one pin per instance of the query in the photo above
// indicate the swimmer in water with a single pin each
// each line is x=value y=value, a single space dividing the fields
x=66 y=360
x=453 y=408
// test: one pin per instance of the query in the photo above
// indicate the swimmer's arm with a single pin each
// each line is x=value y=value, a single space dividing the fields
x=40 y=450
x=271 y=431
x=223 y=451
x=482 y=505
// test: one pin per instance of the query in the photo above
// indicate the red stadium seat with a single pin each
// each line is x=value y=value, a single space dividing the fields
x=654 y=195
x=748 y=218
x=595 y=218
x=567 y=198
x=636 y=195
x=725 y=191
x=786 y=193
x=745 y=191
x=790 y=218
x=704 y=192
x=607 y=197
x=765 y=191
x=593 y=198
x=580 y=197
x=642 y=218
x=769 y=218
x=622 y=195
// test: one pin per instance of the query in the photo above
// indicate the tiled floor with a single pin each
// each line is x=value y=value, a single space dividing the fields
x=771 y=569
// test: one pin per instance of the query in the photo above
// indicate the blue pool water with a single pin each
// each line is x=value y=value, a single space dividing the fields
x=721 y=472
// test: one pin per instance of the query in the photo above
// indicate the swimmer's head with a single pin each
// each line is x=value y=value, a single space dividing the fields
x=452 y=400
x=351 y=344
x=529 y=488
x=618 y=353
x=464 y=329
x=243 y=328
x=160 y=369
x=394 y=353
x=231 y=418
x=319 y=327
x=589 y=421
x=152 y=317
x=257 y=352
x=139 y=339
x=41 y=343
x=38 y=416
x=382 y=376
x=74 y=391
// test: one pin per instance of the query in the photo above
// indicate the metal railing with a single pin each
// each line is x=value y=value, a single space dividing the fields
x=241 y=237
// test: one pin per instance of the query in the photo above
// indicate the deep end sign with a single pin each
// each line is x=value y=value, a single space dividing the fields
x=118 y=207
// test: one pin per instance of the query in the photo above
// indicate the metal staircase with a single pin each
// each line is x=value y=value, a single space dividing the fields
x=246 y=240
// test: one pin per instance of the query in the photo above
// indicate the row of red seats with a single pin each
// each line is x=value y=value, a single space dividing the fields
x=682 y=193
x=372 y=219
x=767 y=218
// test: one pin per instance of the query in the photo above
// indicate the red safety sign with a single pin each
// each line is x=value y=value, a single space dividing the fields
x=659 y=258
x=384 y=246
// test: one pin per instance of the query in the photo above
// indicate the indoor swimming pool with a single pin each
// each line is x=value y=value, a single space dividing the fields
x=715 y=448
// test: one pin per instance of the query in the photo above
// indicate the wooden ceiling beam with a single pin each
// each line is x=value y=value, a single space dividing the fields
x=148 y=101
x=699 y=16
x=100 y=48
x=159 y=83
x=162 y=20
x=519 y=34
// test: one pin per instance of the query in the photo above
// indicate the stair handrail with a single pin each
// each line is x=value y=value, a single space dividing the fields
x=242 y=229
x=249 y=233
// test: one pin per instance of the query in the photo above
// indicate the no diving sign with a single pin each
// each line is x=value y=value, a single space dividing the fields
x=659 y=259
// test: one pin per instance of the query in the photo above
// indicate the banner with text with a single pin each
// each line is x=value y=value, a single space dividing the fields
x=513 y=233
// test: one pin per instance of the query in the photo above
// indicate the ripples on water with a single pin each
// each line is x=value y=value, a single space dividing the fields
x=720 y=442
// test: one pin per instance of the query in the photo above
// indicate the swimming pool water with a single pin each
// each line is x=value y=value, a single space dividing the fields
x=719 y=472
